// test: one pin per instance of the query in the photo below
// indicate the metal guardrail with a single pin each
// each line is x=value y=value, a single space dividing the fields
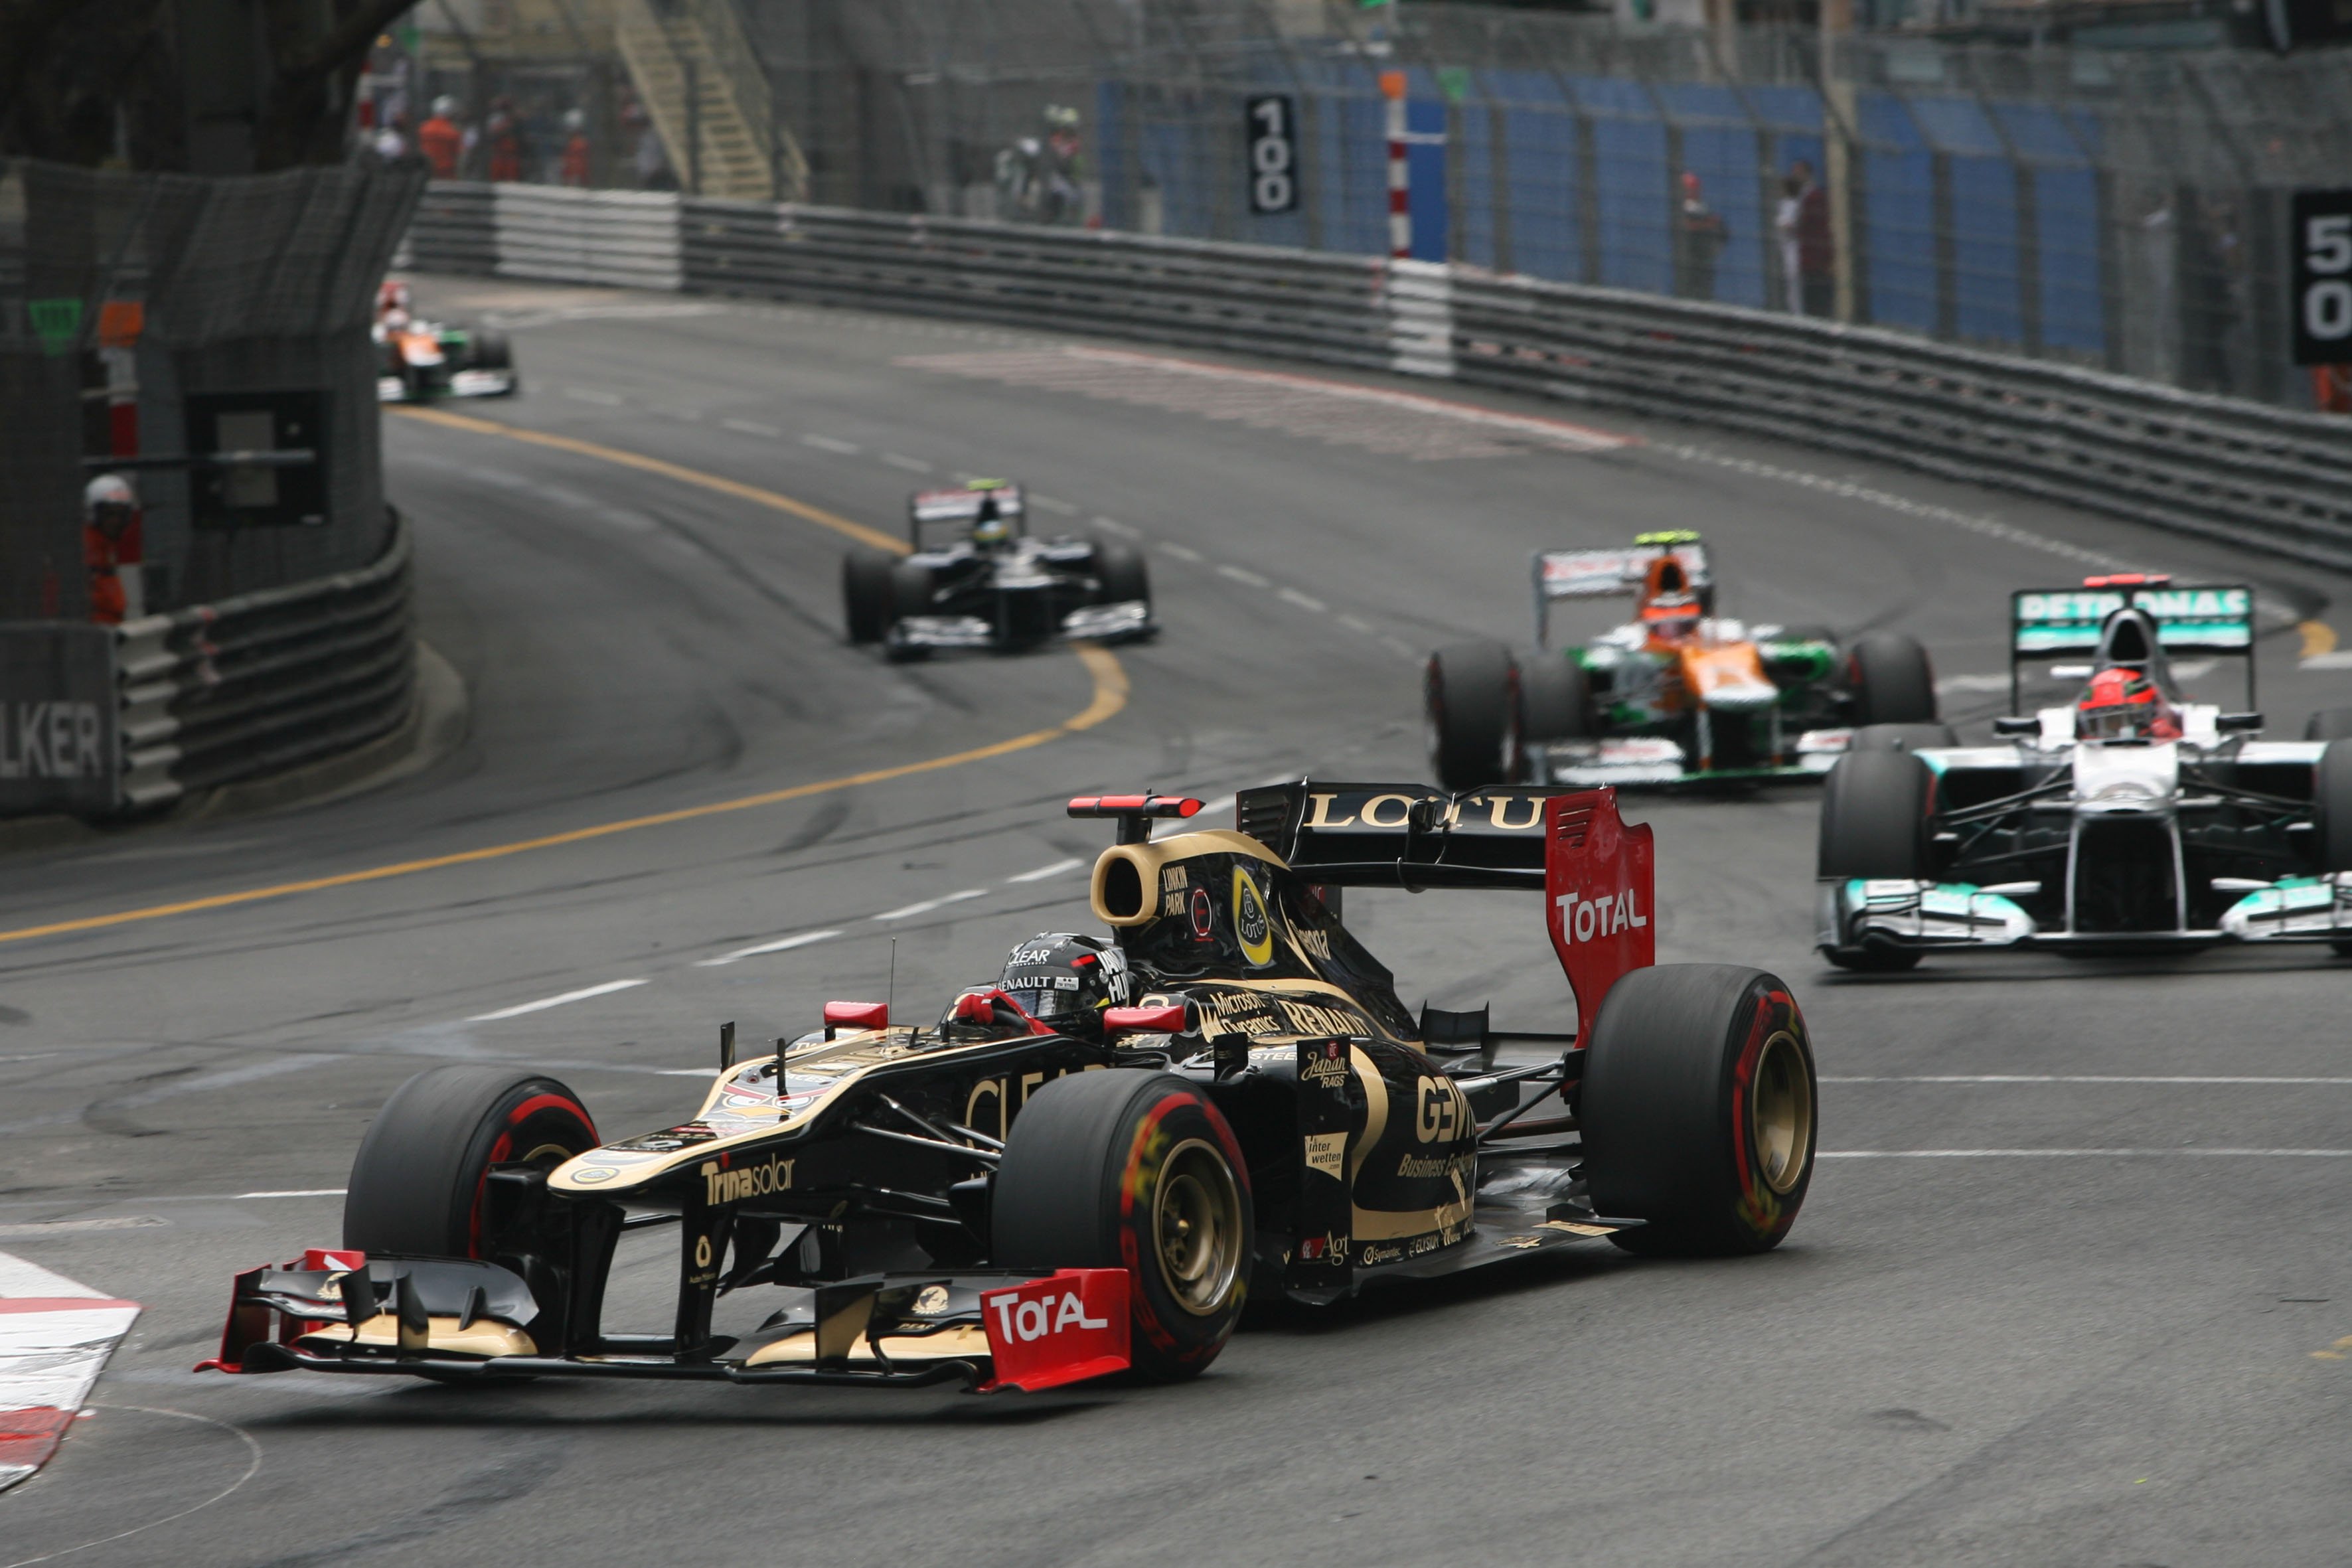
x=2252 y=475
x=219 y=692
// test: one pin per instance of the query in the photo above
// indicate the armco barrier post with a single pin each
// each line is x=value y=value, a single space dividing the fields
x=1393 y=84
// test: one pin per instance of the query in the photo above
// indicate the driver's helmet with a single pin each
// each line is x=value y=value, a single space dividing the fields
x=1669 y=608
x=109 y=503
x=1065 y=981
x=989 y=527
x=393 y=296
x=2123 y=704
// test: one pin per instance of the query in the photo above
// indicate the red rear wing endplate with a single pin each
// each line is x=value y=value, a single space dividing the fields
x=1600 y=903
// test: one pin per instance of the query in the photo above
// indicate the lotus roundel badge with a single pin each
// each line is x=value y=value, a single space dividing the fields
x=1250 y=921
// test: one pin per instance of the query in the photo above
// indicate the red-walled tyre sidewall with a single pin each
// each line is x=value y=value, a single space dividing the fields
x=416 y=1183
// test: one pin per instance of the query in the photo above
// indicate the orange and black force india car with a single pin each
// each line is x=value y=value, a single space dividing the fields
x=990 y=584
x=1090 y=1166
x=1677 y=695
x=419 y=360
x=2129 y=819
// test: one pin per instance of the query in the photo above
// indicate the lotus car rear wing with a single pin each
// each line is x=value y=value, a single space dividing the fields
x=1612 y=573
x=2196 y=618
x=961 y=505
x=1597 y=872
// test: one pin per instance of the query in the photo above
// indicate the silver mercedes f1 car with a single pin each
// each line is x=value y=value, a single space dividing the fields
x=2131 y=818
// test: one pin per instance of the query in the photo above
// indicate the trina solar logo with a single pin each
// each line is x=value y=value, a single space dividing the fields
x=745 y=1180
x=1582 y=919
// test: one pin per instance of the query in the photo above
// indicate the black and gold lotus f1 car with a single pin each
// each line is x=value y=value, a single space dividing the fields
x=1005 y=1202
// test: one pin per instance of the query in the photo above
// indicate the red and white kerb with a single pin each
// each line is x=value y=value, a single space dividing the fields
x=1400 y=172
x=55 y=1336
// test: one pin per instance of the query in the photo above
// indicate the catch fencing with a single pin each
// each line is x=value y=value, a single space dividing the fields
x=210 y=340
x=2255 y=476
x=2121 y=209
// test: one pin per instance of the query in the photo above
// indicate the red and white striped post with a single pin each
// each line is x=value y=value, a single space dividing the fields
x=1400 y=172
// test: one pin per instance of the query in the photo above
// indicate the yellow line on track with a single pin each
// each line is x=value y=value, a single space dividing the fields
x=1110 y=697
x=643 y=464
x=2318 y=638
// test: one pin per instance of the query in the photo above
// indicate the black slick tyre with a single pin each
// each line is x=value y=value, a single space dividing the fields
x=1891 y=681
x=2329 y=724
x=1902 y=738
x=1120 y=570
x=1554 y=697
x=865 y=593
x=417 y=1184
x=1875 y=808
x=2331 y=799
x=1874 y=816
x=1126 y=1168
x=1697 y=1109
x=487 y=349
x=1470 y=702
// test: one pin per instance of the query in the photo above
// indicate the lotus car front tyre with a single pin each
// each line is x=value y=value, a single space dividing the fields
x=416 y=1183
x=1127 y=1168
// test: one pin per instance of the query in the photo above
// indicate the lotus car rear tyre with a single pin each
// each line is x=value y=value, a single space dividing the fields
x=1697 y=1109
x=865 y=593
x=1902 y=738
x=1470 y=697
x=1891 y=681
x=1553 y=697
x=1126 y=1168
x=416 y=1183
x=1121 y=571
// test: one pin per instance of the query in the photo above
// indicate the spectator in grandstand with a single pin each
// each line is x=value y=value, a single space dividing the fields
x=1816 y=254
x=1700 y=235
x=574 y=171
x=440 y=139
x=1784 y=229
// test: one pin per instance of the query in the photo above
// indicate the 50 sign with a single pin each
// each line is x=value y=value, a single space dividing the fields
x=2322 y=282
x=1272 y=129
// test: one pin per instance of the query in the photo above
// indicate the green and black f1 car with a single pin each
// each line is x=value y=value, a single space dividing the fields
x=1676 y=695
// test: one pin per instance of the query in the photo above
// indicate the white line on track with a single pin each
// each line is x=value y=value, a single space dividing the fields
x=829 y=444
x=912 y=465
x=1972 y=683
x=1113 y=525
x=1060 y=507
x=2080 y=1078
x=1244 y=574
x=752 y=428
x=1041 y=872
x=1181 y=551
x=1304 y=601
x=2325 y=661
x=928 y=905
x=1357 y=623
x=2084 y=1153
x=546 y=1002
x=295 y=1192
x=1399 y=646
x=1850 y=491
x=781 y=945
x=591 y=394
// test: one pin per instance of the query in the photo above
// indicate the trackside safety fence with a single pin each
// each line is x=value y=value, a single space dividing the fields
x=2227 y=468
x=215 y=693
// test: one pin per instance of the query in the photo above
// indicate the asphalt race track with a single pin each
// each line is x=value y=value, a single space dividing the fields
x=2070 y=1289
